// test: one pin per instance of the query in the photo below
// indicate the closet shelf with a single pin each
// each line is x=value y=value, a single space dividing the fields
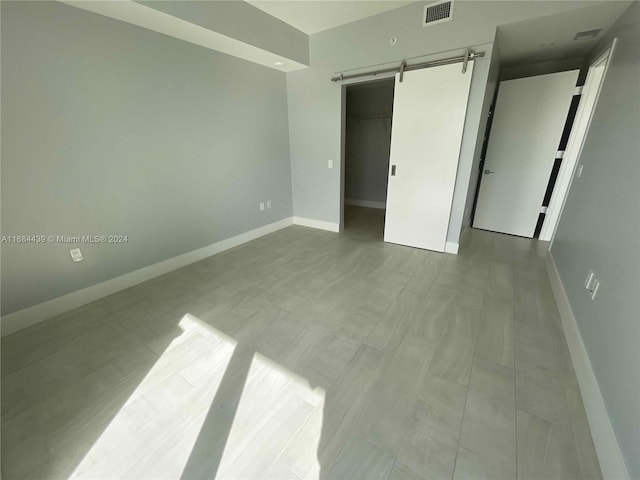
x=369 y=117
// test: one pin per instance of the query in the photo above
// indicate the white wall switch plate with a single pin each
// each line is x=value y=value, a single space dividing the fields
x=76 y=255
x=330 y=164
x=579 y=171
x=589 y=280
x=268 y=203
x=262 y=206
x=591 y=284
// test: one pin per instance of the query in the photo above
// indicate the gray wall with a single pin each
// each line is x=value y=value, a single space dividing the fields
x=489 y=94
x=600 y=229
x=112 y=129
x=315 y=102
x=471 y=147
x=368 y=141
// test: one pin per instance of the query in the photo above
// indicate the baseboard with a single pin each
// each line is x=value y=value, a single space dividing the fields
x=365 y=203
x=309 y=222
x=451 y=247
x=609 y=453
x=43 y=311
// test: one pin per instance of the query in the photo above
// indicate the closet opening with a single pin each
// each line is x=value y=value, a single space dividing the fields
x=368 y=120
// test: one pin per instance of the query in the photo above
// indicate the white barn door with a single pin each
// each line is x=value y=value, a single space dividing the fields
x=429 y=109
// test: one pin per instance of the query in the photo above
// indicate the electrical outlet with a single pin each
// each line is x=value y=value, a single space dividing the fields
x=330 y=164
x=262 y=206
x=76 y=255
x=579 y=171
x=268 y=204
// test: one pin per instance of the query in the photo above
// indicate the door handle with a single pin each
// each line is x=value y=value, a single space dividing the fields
x=488 y=172
x=393 y=170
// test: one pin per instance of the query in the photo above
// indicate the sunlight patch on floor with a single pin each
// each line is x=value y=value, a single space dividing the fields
x=275 y=405
x=155 y=430
x=209 y=408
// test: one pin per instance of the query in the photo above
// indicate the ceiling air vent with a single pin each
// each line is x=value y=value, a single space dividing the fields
x=587 y=34
x=437 y=12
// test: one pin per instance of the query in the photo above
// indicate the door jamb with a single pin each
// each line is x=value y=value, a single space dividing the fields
x=574 y=147
x=343 y=130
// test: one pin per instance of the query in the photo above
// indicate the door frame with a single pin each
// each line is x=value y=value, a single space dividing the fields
x=343 y=129
x=573 y=150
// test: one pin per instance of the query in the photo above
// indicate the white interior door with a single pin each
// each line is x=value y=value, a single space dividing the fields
x=586 y=107
x=527 y=126
x=429 y=108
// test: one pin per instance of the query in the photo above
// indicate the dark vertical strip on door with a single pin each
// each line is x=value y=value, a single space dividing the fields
x=571 y=116
x=538 y=229
x=564 y=140
x=552 y=182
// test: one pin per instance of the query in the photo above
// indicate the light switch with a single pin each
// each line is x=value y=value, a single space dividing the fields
x=591 y=284
x=262 y=206
x=589 y=280
x=330 y=164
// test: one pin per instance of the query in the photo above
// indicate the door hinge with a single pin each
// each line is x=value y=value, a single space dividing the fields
x=543 y=209
x=578 y=90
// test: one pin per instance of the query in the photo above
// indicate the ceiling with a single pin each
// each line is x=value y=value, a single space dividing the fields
x=313 y=16
x=551 y=37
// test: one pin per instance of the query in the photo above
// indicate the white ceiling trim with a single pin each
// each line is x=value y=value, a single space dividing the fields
x=151 y=19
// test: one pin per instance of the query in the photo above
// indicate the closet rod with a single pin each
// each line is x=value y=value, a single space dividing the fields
x=469 y=55
x=368 y=117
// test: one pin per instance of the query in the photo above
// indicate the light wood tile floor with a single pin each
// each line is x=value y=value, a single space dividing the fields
x=303 y=355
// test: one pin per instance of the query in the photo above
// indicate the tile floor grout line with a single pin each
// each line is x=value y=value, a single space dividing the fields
x=464 y=410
